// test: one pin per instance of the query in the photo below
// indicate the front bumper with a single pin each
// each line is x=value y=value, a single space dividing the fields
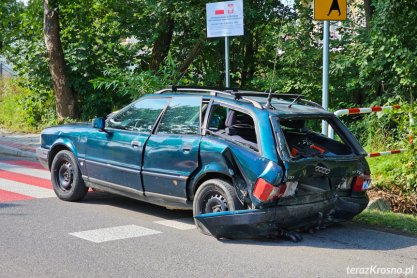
x=270 y=221
x=42 y=155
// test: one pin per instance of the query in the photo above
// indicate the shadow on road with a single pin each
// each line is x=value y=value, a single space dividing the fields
x=7 y=205
x=103 y=198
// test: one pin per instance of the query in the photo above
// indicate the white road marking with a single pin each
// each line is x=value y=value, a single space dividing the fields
x=43 y=174
x=180 y=224
x=25 y=189
x=115 y=233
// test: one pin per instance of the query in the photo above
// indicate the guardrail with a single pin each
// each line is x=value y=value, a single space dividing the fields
x=366 y=110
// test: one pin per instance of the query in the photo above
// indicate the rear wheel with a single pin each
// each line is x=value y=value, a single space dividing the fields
x=66 y=177
x=214 y=196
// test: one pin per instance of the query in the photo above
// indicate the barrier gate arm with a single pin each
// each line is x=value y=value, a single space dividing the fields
x=386 y=153
x=366 y=110
x=355 y=111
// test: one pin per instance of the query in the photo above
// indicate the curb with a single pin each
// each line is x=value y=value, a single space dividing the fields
x=16 y=152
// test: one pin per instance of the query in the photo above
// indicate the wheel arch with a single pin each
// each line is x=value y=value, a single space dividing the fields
x=208 y=176
x=56 y=148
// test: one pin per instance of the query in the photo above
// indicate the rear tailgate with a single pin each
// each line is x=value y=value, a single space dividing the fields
x=317 y=164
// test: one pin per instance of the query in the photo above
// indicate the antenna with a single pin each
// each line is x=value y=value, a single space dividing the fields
x=268 y=104
x=277 y=50
x=294 y=101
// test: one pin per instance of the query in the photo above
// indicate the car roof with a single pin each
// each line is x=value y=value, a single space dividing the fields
x=280 y=104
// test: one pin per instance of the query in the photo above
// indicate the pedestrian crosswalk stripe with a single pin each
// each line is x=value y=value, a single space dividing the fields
x=24 y=189
x=115 y=233
x=180 y=224
x=6 y=196
x=26 y=179
x=26 y=163
x=43 y=174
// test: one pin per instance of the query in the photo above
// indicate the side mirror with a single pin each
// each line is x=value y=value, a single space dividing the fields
x=98 y=123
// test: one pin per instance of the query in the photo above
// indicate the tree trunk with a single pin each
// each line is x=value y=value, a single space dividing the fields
x=162 y=44
x=66 y=105
x=193 y=54
x=248 y=61
x=369 y=10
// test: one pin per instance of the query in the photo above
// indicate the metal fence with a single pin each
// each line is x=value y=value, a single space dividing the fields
x=5 y=70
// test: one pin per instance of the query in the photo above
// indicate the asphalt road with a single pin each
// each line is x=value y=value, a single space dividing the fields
x=111 y=236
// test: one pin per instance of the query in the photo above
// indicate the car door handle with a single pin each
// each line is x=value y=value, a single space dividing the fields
x=135 y=144
x=186 y=149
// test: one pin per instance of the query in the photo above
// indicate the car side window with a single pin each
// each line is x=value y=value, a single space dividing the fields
x=233 y=124
x=182 y=116
x=139 y=117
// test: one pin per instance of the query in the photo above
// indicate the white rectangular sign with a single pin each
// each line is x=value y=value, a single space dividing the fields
x=224 y=19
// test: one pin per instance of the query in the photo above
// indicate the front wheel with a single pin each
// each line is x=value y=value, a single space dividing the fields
x=214 y=196
x=66 y=177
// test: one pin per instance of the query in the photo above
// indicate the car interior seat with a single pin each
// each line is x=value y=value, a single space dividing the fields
x=240 y=126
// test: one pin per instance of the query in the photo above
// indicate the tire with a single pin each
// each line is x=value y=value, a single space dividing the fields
x=66 y=177
x=214 y=196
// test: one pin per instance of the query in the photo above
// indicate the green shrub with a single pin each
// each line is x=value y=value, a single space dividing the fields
x=389 y=131
x=23 y=109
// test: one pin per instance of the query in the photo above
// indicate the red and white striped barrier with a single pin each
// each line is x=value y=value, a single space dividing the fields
x=386 y=153
x=367 y=110
x=356 y=111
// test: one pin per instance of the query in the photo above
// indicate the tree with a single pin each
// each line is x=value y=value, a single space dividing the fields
x=66 y=104
x=9 y=11
x=369 y=10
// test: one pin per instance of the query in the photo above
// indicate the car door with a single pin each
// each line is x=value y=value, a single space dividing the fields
x=171 y=153
x=114 y=156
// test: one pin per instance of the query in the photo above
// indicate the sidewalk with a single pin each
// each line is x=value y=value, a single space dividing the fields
x=16 y=144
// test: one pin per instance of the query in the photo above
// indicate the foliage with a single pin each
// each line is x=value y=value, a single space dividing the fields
x=23 y=109
x=385 y=54
x=390 y=131
x=292 y=55
x=9 y=14
x=133 y=83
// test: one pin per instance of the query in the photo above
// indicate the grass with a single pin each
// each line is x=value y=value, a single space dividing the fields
x=396 y=221
x=385 y=168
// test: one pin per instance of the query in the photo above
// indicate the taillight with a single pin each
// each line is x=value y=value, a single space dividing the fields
x=265 y=191
x=361 y=183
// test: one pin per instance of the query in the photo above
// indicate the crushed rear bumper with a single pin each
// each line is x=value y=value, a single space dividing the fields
x=270 y=221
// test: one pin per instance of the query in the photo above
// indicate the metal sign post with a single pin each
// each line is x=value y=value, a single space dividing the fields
x=325 y=88
x=327 y=10
x=226 y=58
x=225 y=19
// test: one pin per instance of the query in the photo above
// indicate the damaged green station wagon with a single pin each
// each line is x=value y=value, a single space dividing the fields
x=248 y=164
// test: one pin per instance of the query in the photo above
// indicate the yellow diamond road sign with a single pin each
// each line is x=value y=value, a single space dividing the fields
x=330 y=9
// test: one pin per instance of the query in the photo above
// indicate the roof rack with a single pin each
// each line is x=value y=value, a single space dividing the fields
x=237 y=94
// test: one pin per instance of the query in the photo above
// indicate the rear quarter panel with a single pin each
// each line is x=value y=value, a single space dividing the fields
x=242 y=165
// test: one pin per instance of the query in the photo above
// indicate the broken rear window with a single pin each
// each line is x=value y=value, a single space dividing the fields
x=304 y=139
